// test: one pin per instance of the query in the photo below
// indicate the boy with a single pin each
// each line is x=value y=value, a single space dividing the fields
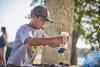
x=30 y=35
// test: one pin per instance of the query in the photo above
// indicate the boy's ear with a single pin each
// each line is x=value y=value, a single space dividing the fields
x=33 y=16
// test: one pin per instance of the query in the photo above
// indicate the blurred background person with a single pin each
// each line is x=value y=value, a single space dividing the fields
x=3 y=48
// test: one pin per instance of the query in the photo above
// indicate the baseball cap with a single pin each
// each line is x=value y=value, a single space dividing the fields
x=42 y=12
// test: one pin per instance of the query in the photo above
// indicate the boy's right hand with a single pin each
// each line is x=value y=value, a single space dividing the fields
x=62 y=40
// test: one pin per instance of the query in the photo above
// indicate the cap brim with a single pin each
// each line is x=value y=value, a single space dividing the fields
x=47 y=19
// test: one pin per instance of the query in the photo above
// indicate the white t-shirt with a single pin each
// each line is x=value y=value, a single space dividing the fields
x=20 y=54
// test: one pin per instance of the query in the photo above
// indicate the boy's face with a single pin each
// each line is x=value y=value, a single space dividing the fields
x=39 y=22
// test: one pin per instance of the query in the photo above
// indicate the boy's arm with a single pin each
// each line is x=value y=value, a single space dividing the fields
x=55 y=41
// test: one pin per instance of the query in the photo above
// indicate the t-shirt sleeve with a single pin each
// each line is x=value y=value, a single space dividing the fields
x=45 y=35
x=24 y=33
x=41 y=34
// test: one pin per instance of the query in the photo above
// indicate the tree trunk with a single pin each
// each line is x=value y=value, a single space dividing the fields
x=73 y=60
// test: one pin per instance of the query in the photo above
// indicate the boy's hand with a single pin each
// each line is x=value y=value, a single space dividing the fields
x=62 y=40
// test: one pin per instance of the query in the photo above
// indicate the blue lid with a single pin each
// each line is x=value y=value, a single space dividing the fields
x=61 y=50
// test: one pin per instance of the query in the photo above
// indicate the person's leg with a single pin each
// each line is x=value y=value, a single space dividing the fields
x=1 y=58
x=4 y=55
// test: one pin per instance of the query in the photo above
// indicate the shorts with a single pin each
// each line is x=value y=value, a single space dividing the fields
x=3 y=50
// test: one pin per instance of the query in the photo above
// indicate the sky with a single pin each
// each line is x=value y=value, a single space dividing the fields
x=12 y=15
